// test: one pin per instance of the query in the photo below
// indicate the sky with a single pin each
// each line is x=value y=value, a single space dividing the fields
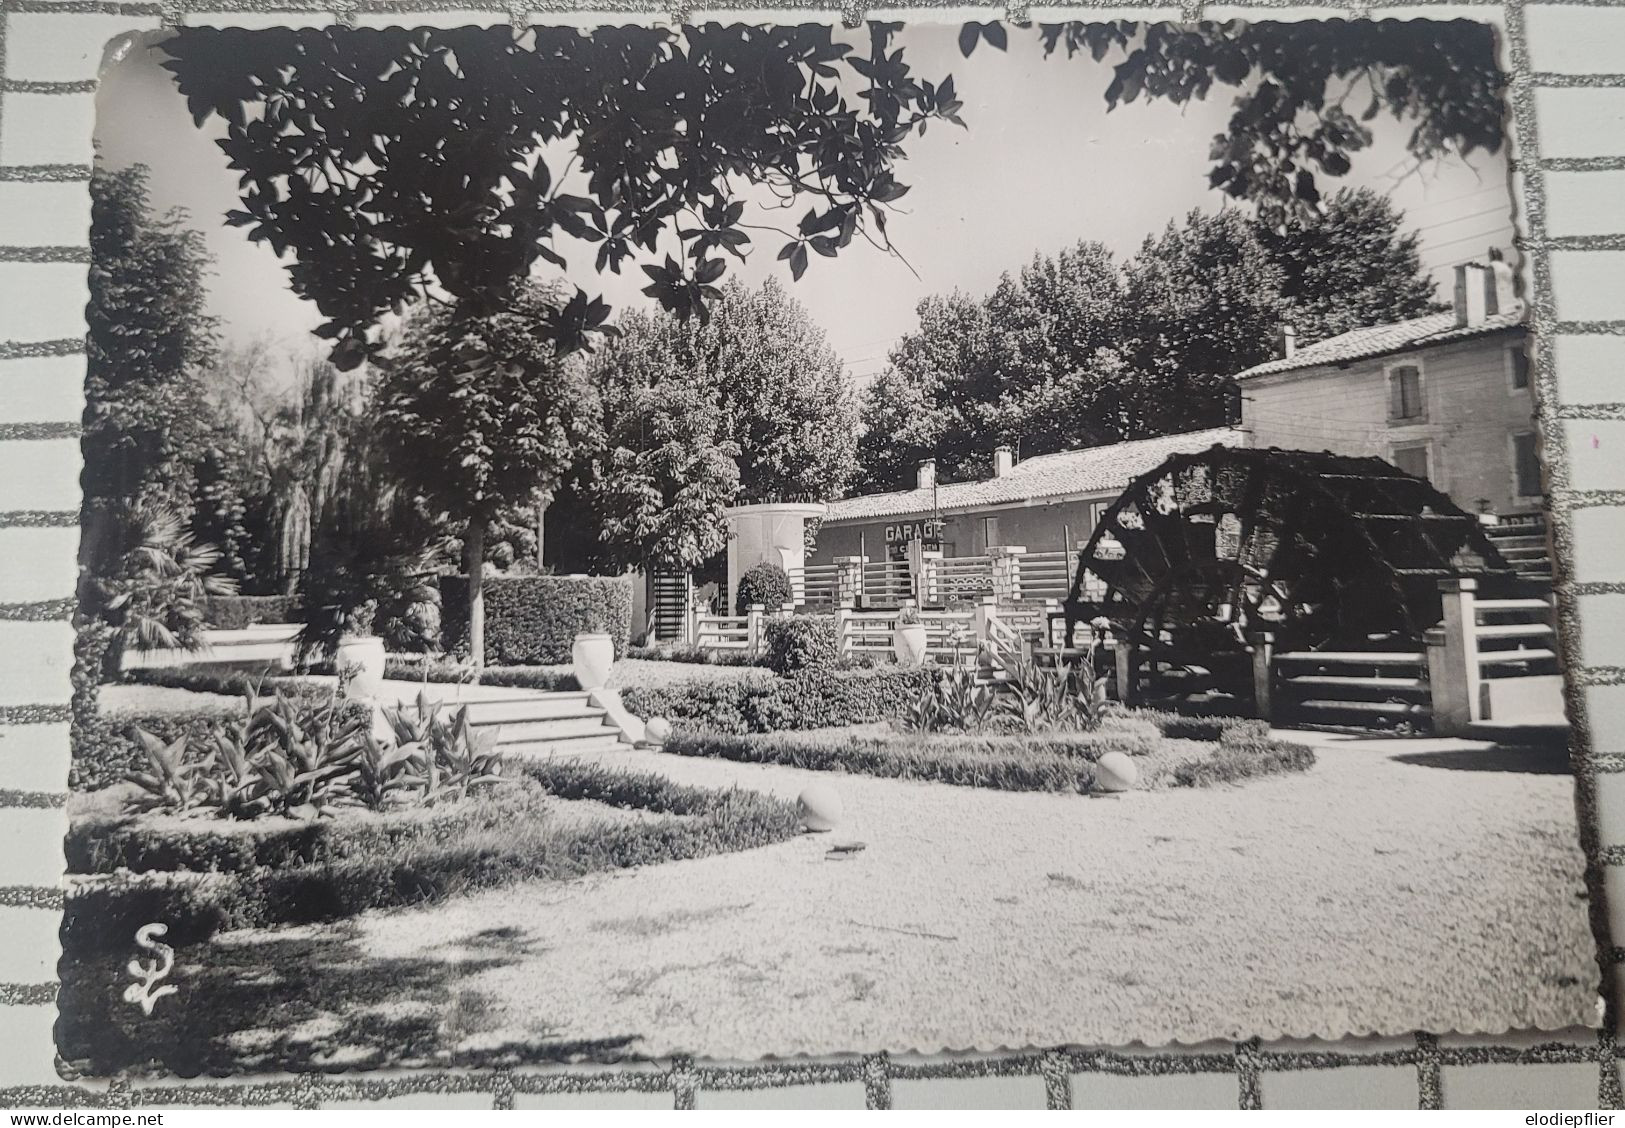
x=1041 y=166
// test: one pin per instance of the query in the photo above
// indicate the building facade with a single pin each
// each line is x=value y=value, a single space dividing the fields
x=1446 y=397
x=1045 y=504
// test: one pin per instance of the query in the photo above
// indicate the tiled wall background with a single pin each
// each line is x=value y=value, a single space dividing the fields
x=1568 y=62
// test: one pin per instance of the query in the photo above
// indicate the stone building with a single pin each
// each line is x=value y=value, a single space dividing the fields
x=1446 y=397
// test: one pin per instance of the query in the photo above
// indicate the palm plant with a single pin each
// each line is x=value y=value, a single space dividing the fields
x=154 y=600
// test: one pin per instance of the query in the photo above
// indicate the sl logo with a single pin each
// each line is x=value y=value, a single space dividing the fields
x=145 y=992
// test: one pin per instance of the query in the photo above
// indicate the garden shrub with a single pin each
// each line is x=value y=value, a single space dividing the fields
x=765 y=583
x=1056 y=762
x=800 y=642
x=807 y=700
x=236 y=612
x=281 y=871
x=534 y=619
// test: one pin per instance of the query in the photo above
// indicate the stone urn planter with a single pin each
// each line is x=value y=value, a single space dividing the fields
x=908 y=639
x=591 y=657
x=364 y=655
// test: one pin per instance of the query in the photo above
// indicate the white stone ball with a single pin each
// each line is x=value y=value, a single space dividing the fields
x=1116 y=771
x=657 y=730
x=819 y=807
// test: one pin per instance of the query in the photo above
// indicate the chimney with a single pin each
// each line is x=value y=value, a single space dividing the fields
x=1286 y=340
x=927 y=474
x=1004 y=460
x=1474 y=284
x=1501 y=292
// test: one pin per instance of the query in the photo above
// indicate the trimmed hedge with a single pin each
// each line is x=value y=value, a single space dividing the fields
x=808 y=700
x=234 y=612
x=231 y=683
x=450 y=672
x=687 y=652
x=105 y=747
x=1243 y=758
x=800 y=642
x=1181 y=726
x=1054 y=762
x=1014 y=762
x=282 y=872
x=765 y=583
x=533 y=620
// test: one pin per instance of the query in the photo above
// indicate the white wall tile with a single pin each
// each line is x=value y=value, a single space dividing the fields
x=44 y=213
x=34 y=758
x=1573 y=40
x=44 y=301
x=47 y=129
x=35 y=660
x=1581 y=122
x=63 y=46
x=40 y=474
x=38 y=564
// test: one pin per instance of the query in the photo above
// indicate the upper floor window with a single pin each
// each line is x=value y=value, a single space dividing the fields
x=1405 y=394
x=1518 y=359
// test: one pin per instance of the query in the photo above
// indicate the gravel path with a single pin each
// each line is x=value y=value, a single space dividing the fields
x=1439 y=892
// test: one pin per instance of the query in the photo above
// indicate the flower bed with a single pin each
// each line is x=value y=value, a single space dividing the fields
x=201 y=876
x=105 y=748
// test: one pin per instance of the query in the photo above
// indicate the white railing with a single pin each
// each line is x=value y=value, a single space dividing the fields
x=819 y=585
x=887 y=582
x=960 y=577
x=722 y=632
x=1045 y=575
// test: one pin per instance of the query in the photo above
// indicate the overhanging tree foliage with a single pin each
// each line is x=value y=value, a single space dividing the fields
x=1307 y=91
x=395 y=162
x=391 y=162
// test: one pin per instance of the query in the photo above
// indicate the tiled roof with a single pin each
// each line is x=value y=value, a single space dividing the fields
x=1099 y=469
x=1378 y=340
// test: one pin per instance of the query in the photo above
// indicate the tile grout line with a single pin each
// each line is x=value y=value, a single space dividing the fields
x=1429 y=1095
x=1249 y=1086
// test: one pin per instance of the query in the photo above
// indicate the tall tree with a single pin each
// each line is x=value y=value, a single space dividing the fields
x=1201 y=302
x=1077 y=350
x=751 y=404
x=1035 y=364
x=475 y=415
x=667 y=472
x=147 y=420
x=1354 y=265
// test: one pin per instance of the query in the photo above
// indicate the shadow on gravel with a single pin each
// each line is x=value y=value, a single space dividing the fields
x=1522 y=759
x=306 y=999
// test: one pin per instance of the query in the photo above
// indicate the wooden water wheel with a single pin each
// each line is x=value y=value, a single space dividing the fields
x=1319 y=549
